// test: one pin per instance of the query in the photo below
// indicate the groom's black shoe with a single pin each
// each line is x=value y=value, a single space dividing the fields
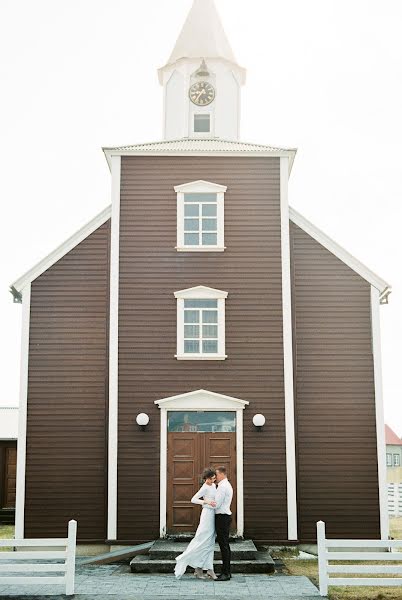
x=224 y=577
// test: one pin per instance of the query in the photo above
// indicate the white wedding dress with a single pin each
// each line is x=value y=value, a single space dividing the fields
x=200 y=551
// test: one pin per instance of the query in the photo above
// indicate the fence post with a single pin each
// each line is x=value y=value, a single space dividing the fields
x=322 y=561
x=70 y=558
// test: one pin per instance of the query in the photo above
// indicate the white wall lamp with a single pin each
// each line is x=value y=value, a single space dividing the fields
x=259 y=422
x=142 y=421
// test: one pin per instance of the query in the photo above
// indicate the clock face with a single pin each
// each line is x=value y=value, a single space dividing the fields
x=202 y=93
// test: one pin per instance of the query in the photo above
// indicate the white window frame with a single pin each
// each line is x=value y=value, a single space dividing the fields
x=397 y=460
x=201 y=187
x=389 y=459
x=201 y=293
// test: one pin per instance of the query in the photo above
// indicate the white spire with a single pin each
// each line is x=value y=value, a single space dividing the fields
x=203 y=36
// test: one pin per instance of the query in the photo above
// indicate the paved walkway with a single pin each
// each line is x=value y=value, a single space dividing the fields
x=116 y=581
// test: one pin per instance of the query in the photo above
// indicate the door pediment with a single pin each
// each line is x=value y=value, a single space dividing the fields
x=202 y=400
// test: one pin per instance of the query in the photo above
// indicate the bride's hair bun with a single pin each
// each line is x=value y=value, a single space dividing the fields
x=208 y=474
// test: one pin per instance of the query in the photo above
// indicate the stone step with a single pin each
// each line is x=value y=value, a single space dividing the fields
x=262 y=563
x=166 y=549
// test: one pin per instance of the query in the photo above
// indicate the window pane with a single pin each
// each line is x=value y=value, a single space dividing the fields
x=191 y=239
x=209 y=331
x=210 y=347
x=199 y=197
x=209 y=239
x=209 y=225
x=201 y=421
x=209 y=316
x=192 y=331
x=202 y=123
x=191 y=346
x=191 y=224
x=191 y=210
x=209 y=210
x=191 y=316
x=201 y=304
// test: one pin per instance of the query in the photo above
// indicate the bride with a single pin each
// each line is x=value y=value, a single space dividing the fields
x=200 y=551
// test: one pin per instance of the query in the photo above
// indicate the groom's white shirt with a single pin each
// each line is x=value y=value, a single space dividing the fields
x=223 y=498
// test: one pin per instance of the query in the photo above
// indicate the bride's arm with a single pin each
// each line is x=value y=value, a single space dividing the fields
x=196 y=498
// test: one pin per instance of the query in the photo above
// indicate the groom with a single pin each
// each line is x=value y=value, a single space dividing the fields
x=223 y=518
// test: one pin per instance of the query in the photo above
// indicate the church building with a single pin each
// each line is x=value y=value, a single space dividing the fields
x=200 y=321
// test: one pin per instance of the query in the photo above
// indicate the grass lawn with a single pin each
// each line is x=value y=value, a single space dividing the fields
x=309 y=568
x=6 y=532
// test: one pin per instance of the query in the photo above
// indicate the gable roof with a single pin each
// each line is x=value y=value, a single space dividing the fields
x=49 y=260
x=380 y=284
x=383 y=287
x=391 y=437
x=200 y=146
x=202 y=36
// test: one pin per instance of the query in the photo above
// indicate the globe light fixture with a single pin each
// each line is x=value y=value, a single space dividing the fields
x=259 y=422
x=142 y=421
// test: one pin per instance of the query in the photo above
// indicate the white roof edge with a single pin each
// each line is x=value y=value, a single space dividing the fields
x=61 y=250
x=380 y=284
x=141 y=150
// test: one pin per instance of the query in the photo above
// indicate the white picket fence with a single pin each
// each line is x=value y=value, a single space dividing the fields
x=20 y=561
x=330 y=550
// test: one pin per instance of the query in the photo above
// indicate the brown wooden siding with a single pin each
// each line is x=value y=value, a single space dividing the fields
x=335 y=405
x=151 y=270
x=67 y=398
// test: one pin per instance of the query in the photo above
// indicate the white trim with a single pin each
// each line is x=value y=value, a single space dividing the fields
x=22 y=415
x=200 y=248
x=379 y=413
x=211 y=402
x=113 y=351
x=200 y=186
x=345 y=256
x=203 y=400
x=201 y=293
x=288 y=354
x=61 y=250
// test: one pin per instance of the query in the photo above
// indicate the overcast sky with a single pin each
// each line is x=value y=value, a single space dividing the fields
x=323 y=75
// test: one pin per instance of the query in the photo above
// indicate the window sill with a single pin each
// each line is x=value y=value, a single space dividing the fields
x=200 y=248
x=199 y=357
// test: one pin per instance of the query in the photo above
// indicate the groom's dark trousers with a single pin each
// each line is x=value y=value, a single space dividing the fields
x=222 y=526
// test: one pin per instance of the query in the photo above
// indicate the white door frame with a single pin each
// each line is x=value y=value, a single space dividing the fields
x=209 y=402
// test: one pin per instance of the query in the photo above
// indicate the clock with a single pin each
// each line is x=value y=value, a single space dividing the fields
x=202 y=93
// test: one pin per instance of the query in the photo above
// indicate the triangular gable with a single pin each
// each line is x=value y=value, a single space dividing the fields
x=382 y=286
x=49 y=260
x=201 y=400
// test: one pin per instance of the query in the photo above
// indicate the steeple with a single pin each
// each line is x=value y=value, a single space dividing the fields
x=203 y=36
x=202 y=79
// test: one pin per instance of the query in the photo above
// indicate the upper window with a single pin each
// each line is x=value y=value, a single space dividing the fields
x=397 y=460
x=202 y=123
x=200 y=217
x=201 y=324
x=389 y=460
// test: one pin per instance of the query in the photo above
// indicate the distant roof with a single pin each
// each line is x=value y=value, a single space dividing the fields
x=391 y=437
x=8 y=422
x=202 y=36
x=196 y=146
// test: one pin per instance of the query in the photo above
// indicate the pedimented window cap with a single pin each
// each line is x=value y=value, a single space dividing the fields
x=200 y=292
x=202 y=399
x=200 y=186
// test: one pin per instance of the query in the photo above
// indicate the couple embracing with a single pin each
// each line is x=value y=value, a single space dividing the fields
x=215 y=497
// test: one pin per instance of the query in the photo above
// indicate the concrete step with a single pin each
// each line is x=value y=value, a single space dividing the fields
x=166 y=549
x=262 y=563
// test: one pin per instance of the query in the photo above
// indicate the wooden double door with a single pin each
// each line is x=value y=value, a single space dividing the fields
x=188 y=455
